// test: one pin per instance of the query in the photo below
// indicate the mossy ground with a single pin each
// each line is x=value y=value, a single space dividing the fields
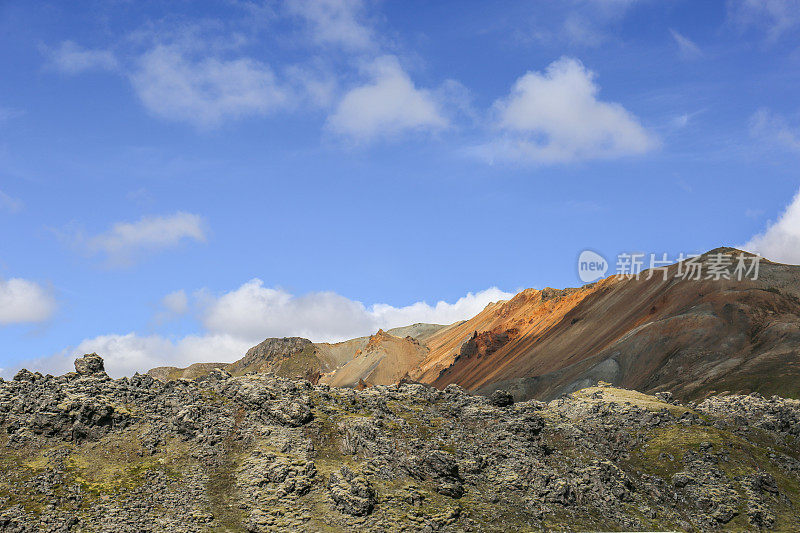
x=738 y=457
x=628 y=397
x=117 y=465
x=781 y=378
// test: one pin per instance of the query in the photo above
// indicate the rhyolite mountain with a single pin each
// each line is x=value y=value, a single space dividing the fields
x=690 y=337
x=387 y=433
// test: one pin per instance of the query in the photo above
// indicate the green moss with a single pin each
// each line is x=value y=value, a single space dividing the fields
x=674 y=442
x=222 y=494
x=212 y=397
x=739 y=457
x=781 y=377
x=116 y=464
x=19 y=467
x=299 y=363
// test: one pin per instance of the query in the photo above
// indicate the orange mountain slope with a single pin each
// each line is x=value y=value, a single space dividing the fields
x=687 y=336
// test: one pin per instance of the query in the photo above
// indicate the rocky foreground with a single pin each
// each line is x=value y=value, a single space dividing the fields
x=83 y=452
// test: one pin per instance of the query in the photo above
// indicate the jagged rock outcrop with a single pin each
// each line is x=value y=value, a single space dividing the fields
x=262 y=355
x=775 y=414
x=83 y=452
x=89 y=364
x=351 y=493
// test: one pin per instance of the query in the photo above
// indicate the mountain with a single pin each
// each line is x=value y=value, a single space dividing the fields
x=692 y=337
x=384 y=359
x=699 y=431
x=84 y=452
x=379 y=359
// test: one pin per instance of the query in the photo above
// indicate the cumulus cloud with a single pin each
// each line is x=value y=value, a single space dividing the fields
x=23 y=301
x=314 y=85
x=336 y=22
x=126 y=241
x=237 y=320
x=555 y=116
x=773 y=128
x=442 y=312
x=775 y=17
x=71 y=58
x=388 y=105
x=126 y=354
x=9 y=203
x=687 y=47
x=206 y=91
x=255 y=311
x=781 y=240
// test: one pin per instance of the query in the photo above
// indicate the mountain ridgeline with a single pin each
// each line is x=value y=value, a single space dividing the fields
x=427 y=427
x=693 y=337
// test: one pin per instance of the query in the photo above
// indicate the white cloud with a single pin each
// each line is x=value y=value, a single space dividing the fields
x=126 y=354
x=556 y=116
x=681 y=121
x=71 y=58
x=9 y=203
x=23 y=301
x=687 y=47
x=207 y=91
x=172 y=306
x=256 y=312
x=773 y=128
x=440 y=313
x=176 y=302
x=388 y=105
x=335 y=22
x=239 y=319
x=315 y=85
x=126 y=240
x=781 y=240
x=775 y=17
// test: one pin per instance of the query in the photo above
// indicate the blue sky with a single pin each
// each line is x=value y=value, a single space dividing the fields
x=180 y=180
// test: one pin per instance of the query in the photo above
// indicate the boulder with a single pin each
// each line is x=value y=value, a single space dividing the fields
x=352 y=494
x=89 y=364
x=501 y=398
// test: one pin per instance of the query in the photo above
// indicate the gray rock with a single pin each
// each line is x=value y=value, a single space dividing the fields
x=260 y=453
x=89 y=364
x=501 y=398
x=665 y=397
x=352 y=494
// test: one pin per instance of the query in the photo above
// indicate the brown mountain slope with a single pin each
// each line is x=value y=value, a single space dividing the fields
x=196 y=370
x=381 y=359
x=384 y=360
x=687 y=336
x=692 y=337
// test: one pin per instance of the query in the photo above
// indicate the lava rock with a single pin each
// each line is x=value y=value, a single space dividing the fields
x=501 y=398
x=89 y=364
x=352 y=494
